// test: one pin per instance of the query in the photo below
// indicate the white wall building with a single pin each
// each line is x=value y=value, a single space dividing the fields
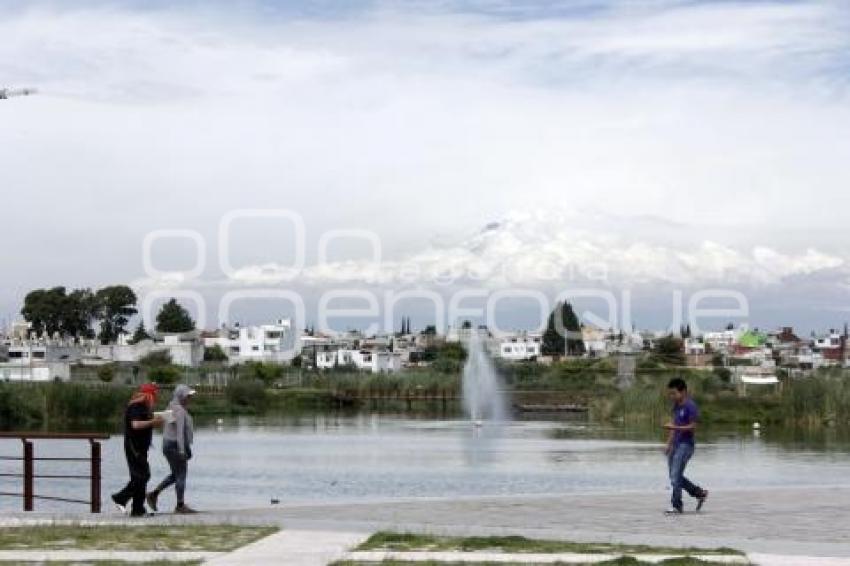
x=723 y=340
x=519 y=347
x=375 y=361
x=264 y=343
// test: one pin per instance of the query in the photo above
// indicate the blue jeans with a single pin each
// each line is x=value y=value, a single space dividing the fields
x=677 y=461
x=179 y=469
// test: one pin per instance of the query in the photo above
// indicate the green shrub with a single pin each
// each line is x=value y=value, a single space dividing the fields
x=247 y=395
x=165 y=375
x=106 y=373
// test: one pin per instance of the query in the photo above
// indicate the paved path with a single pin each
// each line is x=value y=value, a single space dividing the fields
x=293 y=548
x=804 y=521
x=792 y=522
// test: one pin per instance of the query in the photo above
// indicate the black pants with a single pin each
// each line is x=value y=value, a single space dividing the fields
x=140 y=473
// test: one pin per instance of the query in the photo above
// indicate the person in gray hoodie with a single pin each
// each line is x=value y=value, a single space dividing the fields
x=177 y=435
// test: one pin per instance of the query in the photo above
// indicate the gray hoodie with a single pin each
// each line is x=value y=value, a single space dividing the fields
x=180 y=429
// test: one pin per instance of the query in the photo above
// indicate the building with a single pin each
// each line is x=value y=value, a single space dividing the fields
x=374 y=361
x=38 y=360
x=275 y=342
x=520 y=347
x=721 y=341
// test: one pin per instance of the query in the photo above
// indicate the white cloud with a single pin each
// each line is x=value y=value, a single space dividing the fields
x=726 y=121
x=554 y=248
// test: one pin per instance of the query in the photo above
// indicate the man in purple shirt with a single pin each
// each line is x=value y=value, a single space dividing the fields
x=680 y=445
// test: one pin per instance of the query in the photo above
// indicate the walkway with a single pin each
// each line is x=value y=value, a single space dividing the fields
x=775 y=526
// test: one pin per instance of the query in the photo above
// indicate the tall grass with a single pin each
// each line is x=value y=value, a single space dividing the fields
x=59 y=405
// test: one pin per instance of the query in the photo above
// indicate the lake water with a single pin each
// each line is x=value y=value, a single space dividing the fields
x=245 y=462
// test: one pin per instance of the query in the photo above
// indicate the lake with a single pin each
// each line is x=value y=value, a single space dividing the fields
x=247 y=461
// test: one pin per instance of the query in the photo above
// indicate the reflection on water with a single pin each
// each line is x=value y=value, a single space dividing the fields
x=247 y=461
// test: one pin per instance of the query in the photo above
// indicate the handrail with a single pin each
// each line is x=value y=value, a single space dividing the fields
x=38 y=435
x=29 y=460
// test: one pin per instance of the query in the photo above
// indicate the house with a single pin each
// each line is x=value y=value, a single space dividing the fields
x=721 y=341
x=273 y=342
x=519 y=347
x=374 y=361
x=596 y=341
x=38 y=360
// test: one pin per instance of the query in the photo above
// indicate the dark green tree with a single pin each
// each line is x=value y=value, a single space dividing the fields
x=669 y=350
x=563 y=334
x=115 y=305
x=55 y=311
x=215 y=354
x=79 y=311
x=173 y=317
x=140 y=333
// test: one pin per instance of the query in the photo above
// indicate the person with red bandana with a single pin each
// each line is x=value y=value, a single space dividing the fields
x=139 y=422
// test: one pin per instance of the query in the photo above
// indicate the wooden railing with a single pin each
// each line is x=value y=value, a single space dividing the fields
x=29 y=475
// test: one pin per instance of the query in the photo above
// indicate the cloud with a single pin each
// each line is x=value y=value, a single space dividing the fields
x=692 y=133
x=555 y=248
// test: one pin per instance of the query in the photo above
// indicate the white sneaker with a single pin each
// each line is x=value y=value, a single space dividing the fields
x=673 y=511
x=121 y=508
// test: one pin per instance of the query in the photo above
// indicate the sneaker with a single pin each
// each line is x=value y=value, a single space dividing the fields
x=701 y=499
x=122 y=507
x=673 y=511
x=141 y=515
x=184 y=509
x=151 y=500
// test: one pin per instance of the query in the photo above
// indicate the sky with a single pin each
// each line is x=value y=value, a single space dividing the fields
x=649 y=149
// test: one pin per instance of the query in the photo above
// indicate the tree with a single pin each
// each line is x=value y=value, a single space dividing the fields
x=79 y=311
x=156 y=358
x=563 y=334
x=55 y=311
x=669 y=350
x=214 y=354
x=174 y=318
x=115 y=305
x=140 y=333
x=430 y=330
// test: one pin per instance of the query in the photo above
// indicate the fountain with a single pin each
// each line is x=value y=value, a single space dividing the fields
x=483 y=397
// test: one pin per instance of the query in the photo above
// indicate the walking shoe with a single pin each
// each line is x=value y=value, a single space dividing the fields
x=673 y=511
x=151 y=499
x=118 y=505
x=141 y=515
x=184 y=509
x=701 y=499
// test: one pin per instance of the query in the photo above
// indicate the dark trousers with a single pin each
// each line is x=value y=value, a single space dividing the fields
x=179 y=469
x=140 y=473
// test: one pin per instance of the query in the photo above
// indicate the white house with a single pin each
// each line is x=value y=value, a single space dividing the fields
x=723 y=340
x=38 y=360
x=828 y=342
x=264 y=343
x=694 y=346
x=520 y=347
x=375 y=361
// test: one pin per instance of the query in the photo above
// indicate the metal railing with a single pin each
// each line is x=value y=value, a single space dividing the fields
x=29 y=474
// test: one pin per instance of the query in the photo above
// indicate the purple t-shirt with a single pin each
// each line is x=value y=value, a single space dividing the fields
x=685 y=414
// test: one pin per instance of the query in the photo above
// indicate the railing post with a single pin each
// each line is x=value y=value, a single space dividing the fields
x=95 y=475
x=28 y=475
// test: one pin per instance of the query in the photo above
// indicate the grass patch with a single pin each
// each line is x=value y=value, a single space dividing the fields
x=209 y=538
x=622 y=561
x=406 y=542
x=105 y=563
